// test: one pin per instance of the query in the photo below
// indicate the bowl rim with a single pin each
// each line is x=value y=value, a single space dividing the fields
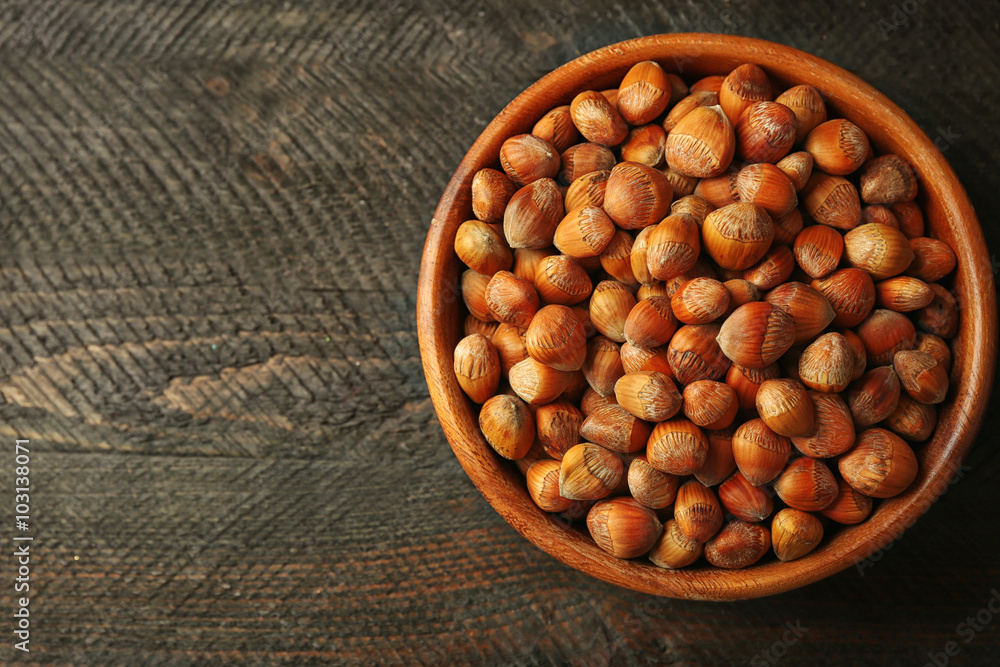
x=948 y=213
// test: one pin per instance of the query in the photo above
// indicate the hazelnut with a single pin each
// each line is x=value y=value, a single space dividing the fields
x=533 y=214
x=874 y=397
x=651 y=487
x=511 y=299
x=473 y=325
x=645 y=145
x=744 y=500
x=673 y=247
x=767 y=186
x=807 y=105
x=674 y=549
x=738 y=545
x=794 y=534
x=760 y=453
x=700 y=301
x=720 y=190
x=615 y=429
x=582 y=160
x=543 y=486
x=743 y=87
x=878 y=249
x=832 y=200
x=587 y=189
x=637 y=196
x=677 y=446
x=648 y=395
x=903 y=294
x=806 y=484
x=556 y=127
x=697 y=511
x=482 y=248
x=740 y=292
x=888 y=179
x=774 y=268
x=474 y=295
x=818 y=250
x=616 y=258
x=507 y=425
x=932 y=259
x=702 y=143
x=709 y=84
x=693 y=205
x=560 y=279
x=936 y=347
x=644 y=93
x=849 y=507
x=526 y=261
x=536 y=382
x=651 y=322
x=827 y=364
x=558 y=427
x=850 y=292
x=797 y=167
x=508 y=340
x=787 y=227
x=589 y=472
x=526 y=158
x=920 y=374
x=909 y=218
x=765 y=132
x=636 y=359
x=810 y=311
x=597 y=119
x=884 y=333
x=623 y=527
x=746 y=382
x=838 y=146
x=940 y=316
x=785 y=407
x=833 y=427
x=710 y=404
x=491 y=191
x=592 y=401
x=694 y=353
x=756 y=334
x=912 y=420
x=686 y=106
x=738 y=235
x=879 y=465
x=719 y=461
x=610 y=304
x=584 y=232
x=477 y=367
x=555 y=337
x=603 y=365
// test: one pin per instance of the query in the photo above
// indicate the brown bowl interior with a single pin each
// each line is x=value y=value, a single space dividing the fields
x=949 y=217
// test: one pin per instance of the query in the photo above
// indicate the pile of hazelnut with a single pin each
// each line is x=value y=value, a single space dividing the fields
x=684 y=302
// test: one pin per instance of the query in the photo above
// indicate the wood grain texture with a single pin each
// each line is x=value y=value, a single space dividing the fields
x=260 y=177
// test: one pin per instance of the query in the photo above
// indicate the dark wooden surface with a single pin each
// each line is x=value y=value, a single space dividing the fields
x=212 y=214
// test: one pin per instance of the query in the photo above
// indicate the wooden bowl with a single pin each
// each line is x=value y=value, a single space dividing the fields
x=949 y=217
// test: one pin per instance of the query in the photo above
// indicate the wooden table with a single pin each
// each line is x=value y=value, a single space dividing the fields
x=212 y=216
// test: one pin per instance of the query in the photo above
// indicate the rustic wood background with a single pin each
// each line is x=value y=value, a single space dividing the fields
x=212 y=214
